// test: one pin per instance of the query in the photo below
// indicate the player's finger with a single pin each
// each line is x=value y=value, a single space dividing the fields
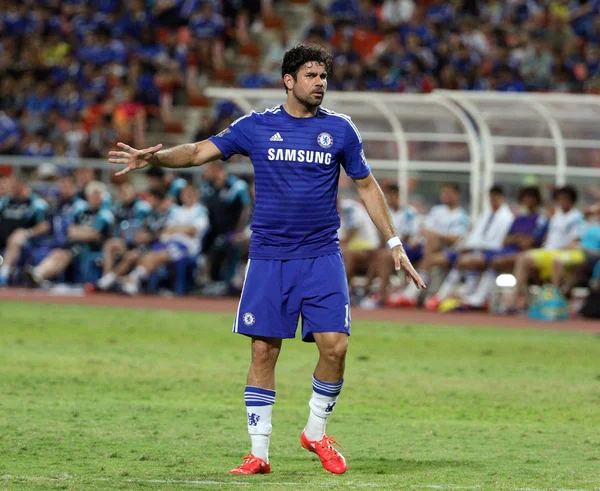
x=113 y=153
x=153 y=149
x=397 y=262
x=126 y=170
x=125 y=147
x=118 y=161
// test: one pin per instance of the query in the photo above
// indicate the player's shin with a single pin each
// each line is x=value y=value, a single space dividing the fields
x=322 y=402
x=259 y=408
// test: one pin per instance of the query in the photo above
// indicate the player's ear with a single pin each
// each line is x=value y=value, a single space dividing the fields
x=288 y=80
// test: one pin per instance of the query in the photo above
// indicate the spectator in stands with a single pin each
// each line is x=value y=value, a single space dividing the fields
x=469 y=259
x=526 y=232
x=445 y=225
x=88 y=232
x=102 y=137
x=147 y=235
x=254 y=78
x=564 y=228
x=382 y=266
x=130 y=213
x=180 y=239
x=10 y=136
x=229 y=206
x=23 y=217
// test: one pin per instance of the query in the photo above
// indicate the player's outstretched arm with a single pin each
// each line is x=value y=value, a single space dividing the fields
x=372 y=196
x=187 y=155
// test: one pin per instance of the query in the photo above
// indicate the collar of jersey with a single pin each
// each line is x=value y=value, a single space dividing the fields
x=288 y=115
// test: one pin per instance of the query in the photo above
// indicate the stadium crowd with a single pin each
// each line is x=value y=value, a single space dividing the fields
x=172 y=236
x=76 y=76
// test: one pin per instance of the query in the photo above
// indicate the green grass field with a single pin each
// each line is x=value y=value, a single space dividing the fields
x=100 y=398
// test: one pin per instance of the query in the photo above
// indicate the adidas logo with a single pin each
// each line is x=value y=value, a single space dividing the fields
x=276 y=138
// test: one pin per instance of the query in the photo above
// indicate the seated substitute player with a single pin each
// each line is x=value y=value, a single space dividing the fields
x=145 y=236
x=359 y=237
x=89 y=231
x=526 y=232
x=564 y=228
x=295 y=266
x=405 y=222
x=180 y=238
x=130 y=213
x=445 y=225
x=469 y=259
x=22 y=218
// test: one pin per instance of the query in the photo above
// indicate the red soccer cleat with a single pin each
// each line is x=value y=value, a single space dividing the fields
x=332 y=460
x=252 y=465
x=432 y=303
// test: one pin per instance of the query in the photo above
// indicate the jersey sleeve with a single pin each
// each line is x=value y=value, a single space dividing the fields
x=459 y=226
x=237 y=138
x=240 y=188
x=575 y=227
x=104 y=222
x=176 y=186
x=40 y=211
x=353 y=160
x=201 y=220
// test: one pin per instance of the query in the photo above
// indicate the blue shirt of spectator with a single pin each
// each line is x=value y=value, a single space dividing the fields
x=130 y=218
x=207 y=28
x=254 y=81
x=20 y=213
x=67 y=212
x=8 y=130
x=344 y=9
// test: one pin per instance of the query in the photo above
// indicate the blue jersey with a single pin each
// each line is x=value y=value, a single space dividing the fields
x=296 y=169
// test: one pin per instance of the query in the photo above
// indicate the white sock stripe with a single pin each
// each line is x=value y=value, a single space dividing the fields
x=326 y=386
x=260 y=399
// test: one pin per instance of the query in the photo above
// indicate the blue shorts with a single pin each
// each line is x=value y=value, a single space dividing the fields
x=276 y=293
x=414 y=254
x=176 y=249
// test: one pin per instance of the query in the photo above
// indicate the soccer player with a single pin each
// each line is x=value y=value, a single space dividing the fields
x=295 y=266
x=23 y=217
x=129 y=213
x=181 y=238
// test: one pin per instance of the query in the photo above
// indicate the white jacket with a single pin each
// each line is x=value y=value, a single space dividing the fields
x=490 y=236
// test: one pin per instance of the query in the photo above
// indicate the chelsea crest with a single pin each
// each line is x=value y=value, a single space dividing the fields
x=325 y=140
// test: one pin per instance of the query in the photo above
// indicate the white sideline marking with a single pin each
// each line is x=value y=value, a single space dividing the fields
x=64 y=476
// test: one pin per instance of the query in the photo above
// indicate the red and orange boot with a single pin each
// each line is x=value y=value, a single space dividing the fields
x=252 y=465
x=332 y=460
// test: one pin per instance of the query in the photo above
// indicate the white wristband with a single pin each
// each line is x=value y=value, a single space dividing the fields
x=393 y=242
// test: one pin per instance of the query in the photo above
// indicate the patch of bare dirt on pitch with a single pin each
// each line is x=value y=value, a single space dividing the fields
x=229 y=305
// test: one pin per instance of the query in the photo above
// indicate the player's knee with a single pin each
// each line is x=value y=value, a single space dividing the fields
x=336 y=351
x=264 y=354
x=16 y=239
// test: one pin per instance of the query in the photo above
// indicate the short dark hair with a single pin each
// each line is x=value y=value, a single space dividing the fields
x=452 y=185
x=497 y=189
x=157 y=193
x=531 y=191
x=300 y=54
x=156 y=172
x=569 y=191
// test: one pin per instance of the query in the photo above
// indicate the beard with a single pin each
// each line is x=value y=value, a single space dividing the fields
x=310 y=100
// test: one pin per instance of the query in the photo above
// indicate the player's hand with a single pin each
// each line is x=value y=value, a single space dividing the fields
x=401 y=261
x=132 y=158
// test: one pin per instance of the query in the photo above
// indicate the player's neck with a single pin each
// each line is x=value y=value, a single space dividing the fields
x=298 y=110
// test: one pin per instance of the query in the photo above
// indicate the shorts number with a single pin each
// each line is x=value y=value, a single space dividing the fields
x=347 y=318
